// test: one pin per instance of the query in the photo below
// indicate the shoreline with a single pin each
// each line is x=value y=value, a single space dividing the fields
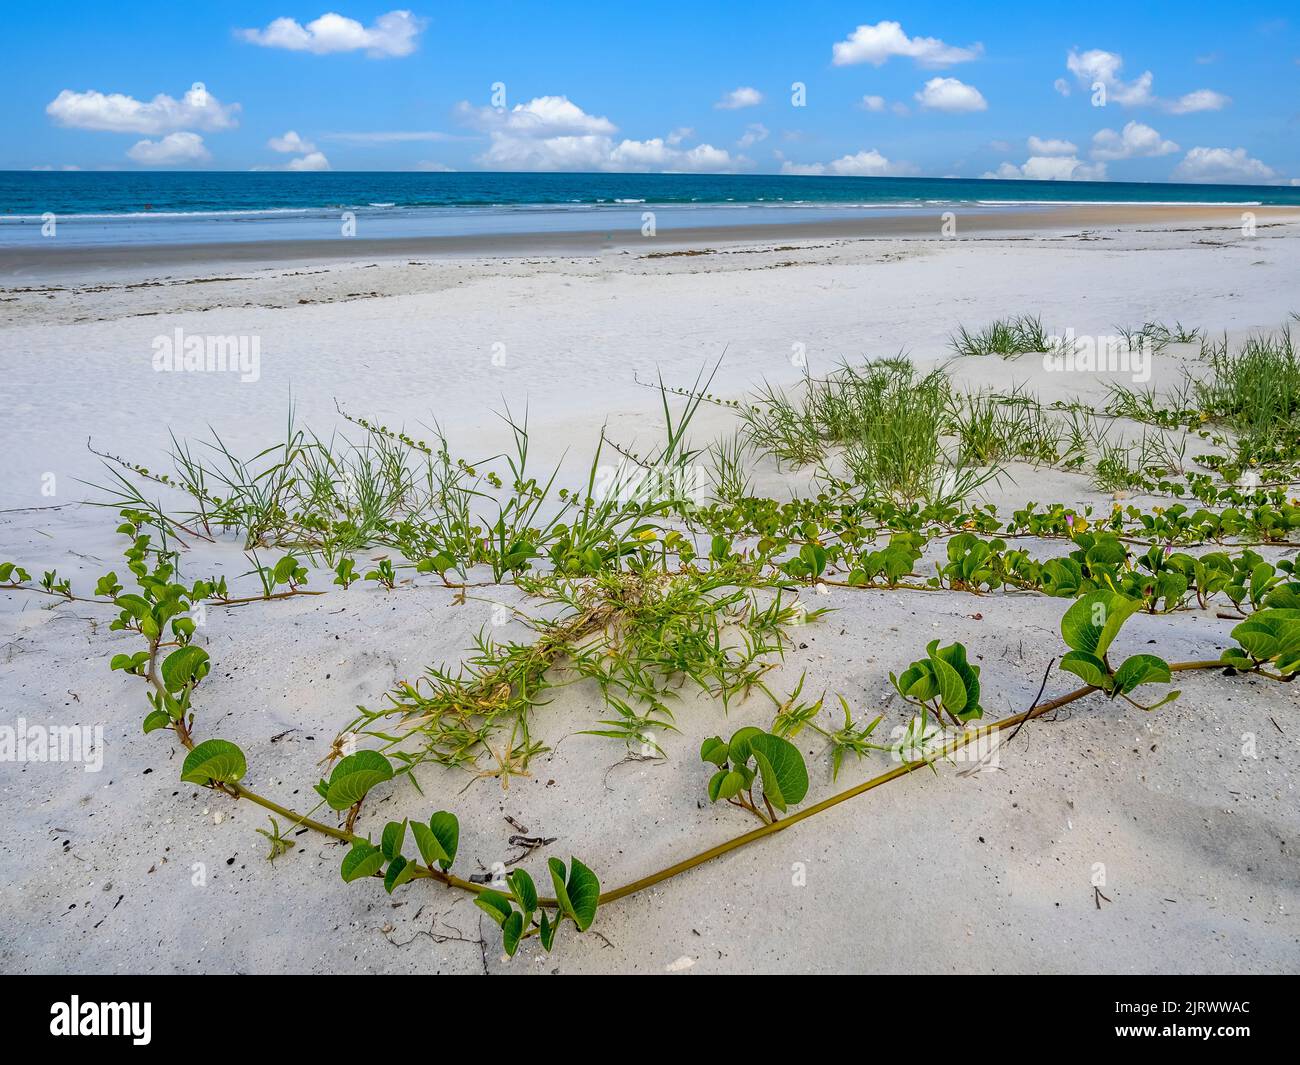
x=25 y=263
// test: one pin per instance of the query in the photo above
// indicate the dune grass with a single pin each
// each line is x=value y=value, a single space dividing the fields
x=883 y=420
x=995 y=428
x=1255 y=391
x=1158 y=335
x=1020 y=334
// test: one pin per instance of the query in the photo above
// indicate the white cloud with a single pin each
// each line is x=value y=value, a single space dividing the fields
x=433 y=167
x=553 y=133
x=544 y=116
x=656 y=154
x=1039 y=146
x=680 y=134
x=508 y=152
x=952 y=96
x=1004 y=172
x=1062 y=86
x=1099 y=66
x=1200 y=100
x=877 y=44
x=745 y=96
x=310 y=161
x=1051 y=168
x=1225 y=166
x=393 y=34
x=117 y=113
x=290 y=143
x=754 y=133
x=1135 y=141
x=863 y=164
x=175 y=149
x=1061 y=168
x=873 y=103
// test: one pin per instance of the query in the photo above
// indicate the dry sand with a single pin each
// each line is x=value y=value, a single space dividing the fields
x=984 y=872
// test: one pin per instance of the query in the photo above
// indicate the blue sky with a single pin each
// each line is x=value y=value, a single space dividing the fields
x=1192 y=91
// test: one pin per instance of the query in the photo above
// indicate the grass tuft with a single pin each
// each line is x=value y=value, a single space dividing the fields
x=1006 y=337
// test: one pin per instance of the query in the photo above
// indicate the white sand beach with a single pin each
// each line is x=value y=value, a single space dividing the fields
x=126 y=869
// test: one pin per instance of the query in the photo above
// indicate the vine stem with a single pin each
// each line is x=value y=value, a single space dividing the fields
x=238 y=791
x=952 y=746
x=903 y=769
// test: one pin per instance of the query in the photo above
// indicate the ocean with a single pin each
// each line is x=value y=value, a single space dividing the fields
x=149 y=207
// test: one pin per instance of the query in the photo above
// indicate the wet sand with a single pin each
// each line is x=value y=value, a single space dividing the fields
x=49 y=259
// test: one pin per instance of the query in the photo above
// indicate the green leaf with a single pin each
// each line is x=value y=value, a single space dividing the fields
x=135 y=605
x=1090 y=669
x=814 y=557
x=584 y=894
x=1273 y=632
x=738 y=748
x=354 y=776
x=512 y=930
x=431 y=850
x=952 y=692
x=214 y=762
x=917 y=682
x=399 y=872
x=725 y=784
x=1169 y=698
x=446 y=827
x=558 y=874
x=525 y=891
x=1261 y=579
x=494 y=904
x=714 y=750
x=785 y=777
x=1107 y=551
x=546 y=931
x=1236 y=657
x=954 y=655
x=1286 y=596
x=897 y=560
x=156 y=719
x=1141 y=669
x=391 y=841
x=364 y=859
x=1094 y=620
x=185 y=664
x=1061 y=577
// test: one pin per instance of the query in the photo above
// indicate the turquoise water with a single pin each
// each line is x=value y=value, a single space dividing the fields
x=182 y=207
